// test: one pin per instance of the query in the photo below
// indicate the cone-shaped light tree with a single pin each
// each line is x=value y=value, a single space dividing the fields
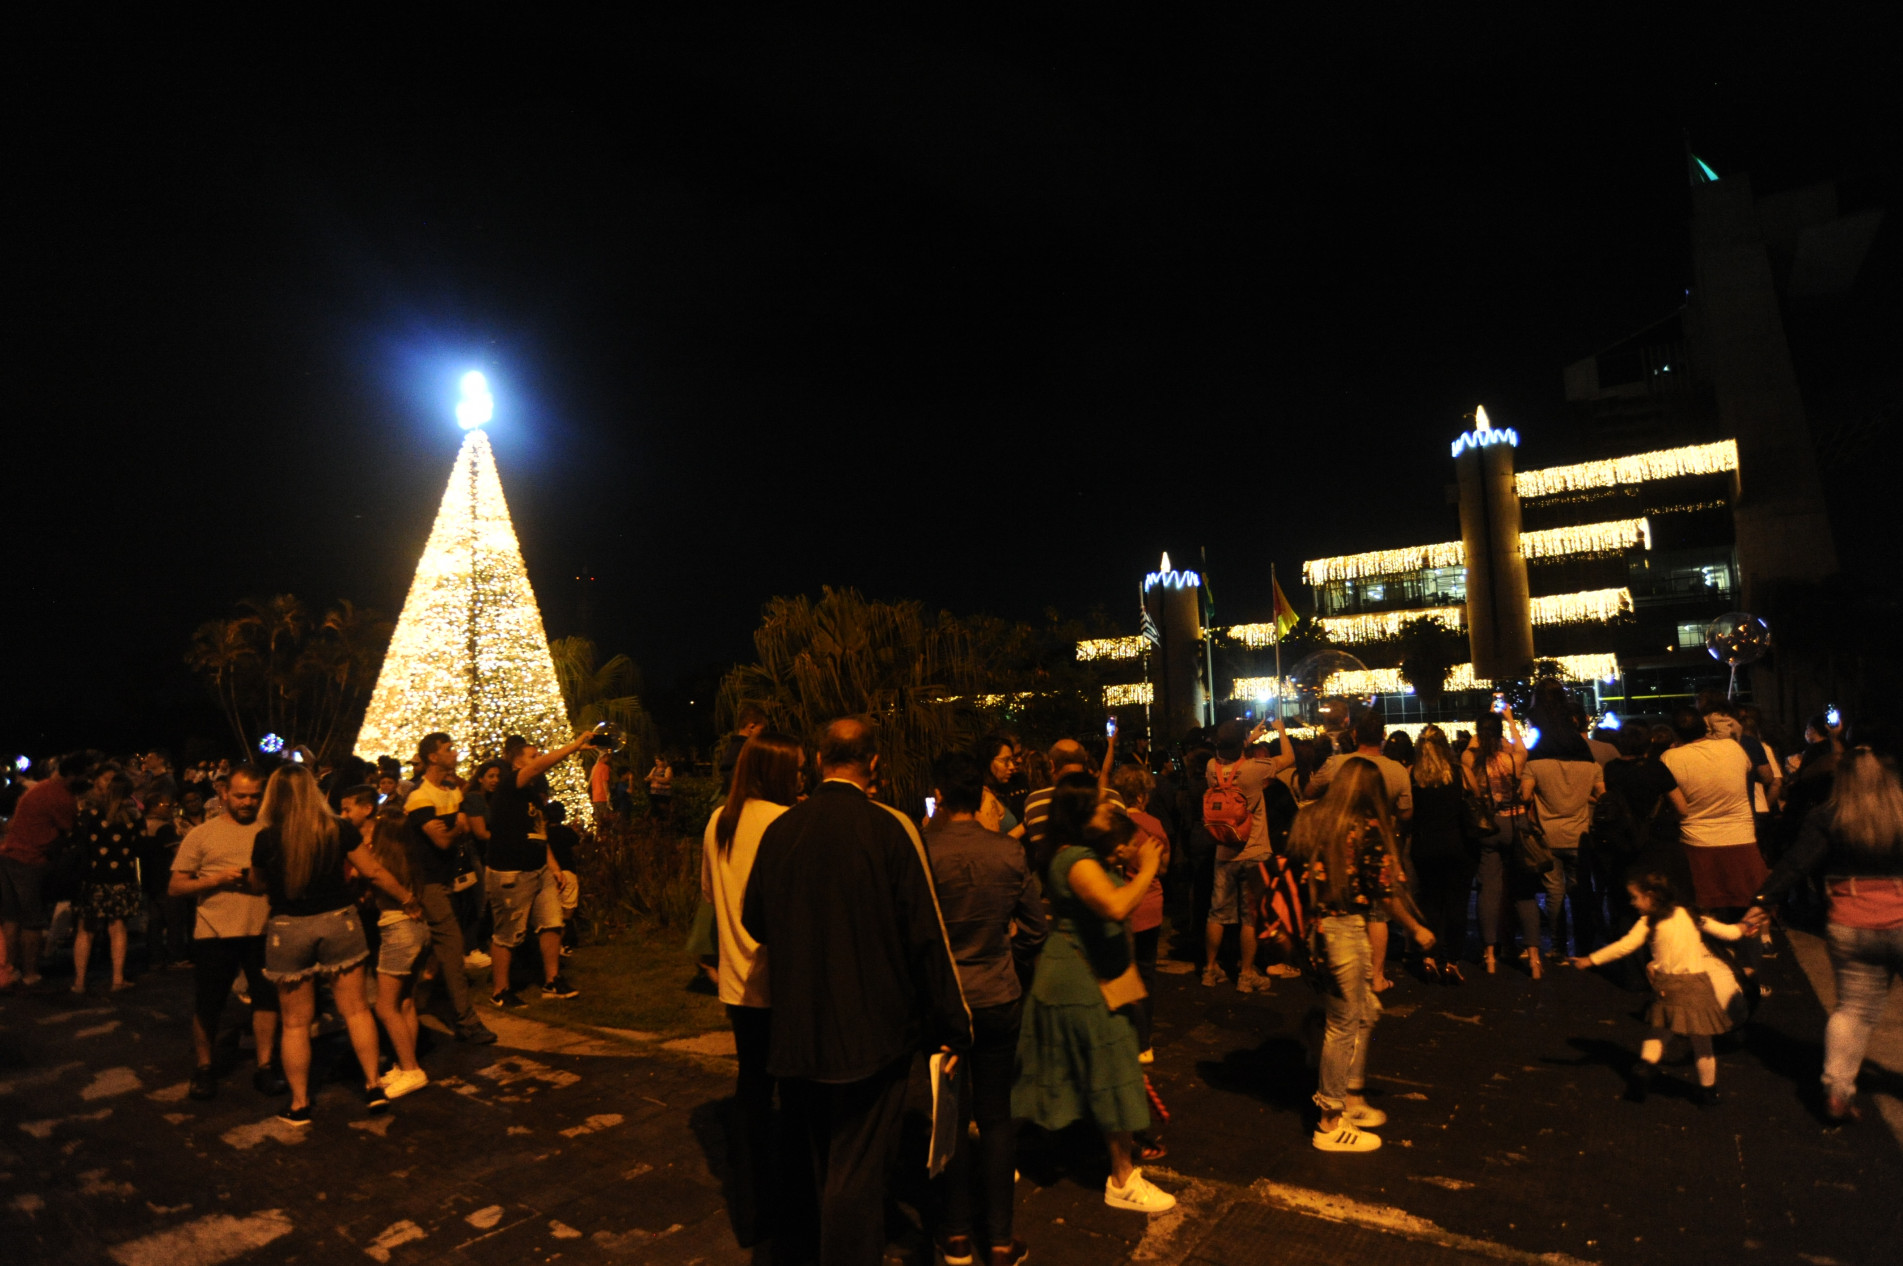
x=469 y=656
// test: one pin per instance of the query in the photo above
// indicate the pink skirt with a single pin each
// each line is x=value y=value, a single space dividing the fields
x=1726 y=876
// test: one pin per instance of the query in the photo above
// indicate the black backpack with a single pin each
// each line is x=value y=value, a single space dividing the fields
x=1614 y=827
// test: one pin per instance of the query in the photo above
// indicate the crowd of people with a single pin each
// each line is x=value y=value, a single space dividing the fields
x=1015 y=928
x=1014 y=931
x=272 y=881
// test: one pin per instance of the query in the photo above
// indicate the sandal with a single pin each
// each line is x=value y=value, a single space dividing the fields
x=1148 y=1150
x=1430 y=970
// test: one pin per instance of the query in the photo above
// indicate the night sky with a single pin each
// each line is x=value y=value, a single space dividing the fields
x=981 y=313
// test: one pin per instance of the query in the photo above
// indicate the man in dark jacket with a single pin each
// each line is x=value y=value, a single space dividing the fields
x=863 y=980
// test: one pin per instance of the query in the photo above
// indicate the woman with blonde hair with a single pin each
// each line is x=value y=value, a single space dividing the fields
x=298 y=861
x=1345 y=844
x=1445 y=859
x=1856 y=841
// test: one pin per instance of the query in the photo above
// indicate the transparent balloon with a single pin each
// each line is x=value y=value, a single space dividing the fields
x=1737 y=637
x=1318 y=684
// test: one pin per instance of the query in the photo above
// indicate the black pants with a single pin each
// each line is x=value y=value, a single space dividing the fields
x=216 y=962
x=1145 y=944
x=984 y=1095
x=1443 y=885
x=168 y=928
x=750 y=1140
x=851 y=1132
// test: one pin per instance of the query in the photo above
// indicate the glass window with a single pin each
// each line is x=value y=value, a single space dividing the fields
x=1691 y=636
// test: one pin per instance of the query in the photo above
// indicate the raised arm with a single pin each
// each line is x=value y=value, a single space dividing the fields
x=533 y=769
x=1094 y=889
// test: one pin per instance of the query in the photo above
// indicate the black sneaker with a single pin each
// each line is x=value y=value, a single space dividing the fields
x=269 y=1080
x=475 y=1032
x=507 y=1000
x=296 y=1116
x=374 y=1099
x=559 y=988
x=204 y=1083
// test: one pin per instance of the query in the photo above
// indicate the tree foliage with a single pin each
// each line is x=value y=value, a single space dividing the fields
x=594 y=692
x=272 y=668
x=1428 y=650
x=847 y=655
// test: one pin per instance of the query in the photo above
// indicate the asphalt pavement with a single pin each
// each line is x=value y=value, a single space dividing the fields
x=1507 y=1141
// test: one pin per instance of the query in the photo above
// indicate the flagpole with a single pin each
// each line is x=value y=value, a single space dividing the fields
x=1275 y=622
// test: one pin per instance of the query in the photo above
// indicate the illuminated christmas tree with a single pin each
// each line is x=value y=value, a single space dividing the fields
x=469 y=657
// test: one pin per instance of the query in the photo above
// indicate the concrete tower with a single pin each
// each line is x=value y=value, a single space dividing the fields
x=1174 y=600
x=1499 y=605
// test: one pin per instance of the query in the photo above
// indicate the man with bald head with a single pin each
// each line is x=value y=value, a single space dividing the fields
x=841 y=901
x=1067 y=757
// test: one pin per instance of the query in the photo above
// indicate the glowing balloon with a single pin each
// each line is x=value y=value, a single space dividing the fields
x=1316 y=679
x=1737 y=637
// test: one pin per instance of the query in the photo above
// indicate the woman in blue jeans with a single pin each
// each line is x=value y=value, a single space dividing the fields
x=1350 y=867
x=1856 y=840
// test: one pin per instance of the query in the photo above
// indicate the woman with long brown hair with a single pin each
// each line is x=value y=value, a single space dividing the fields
x=1351 y=866
x=1494 y=766
x=1856 y=841
x=766 y=782
x=298 y=861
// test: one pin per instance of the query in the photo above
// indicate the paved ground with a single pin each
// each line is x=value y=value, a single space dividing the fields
x=1508 y=1142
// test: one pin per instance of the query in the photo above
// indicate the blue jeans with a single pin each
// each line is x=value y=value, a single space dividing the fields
x=1352 y=1010
x=1866 y=959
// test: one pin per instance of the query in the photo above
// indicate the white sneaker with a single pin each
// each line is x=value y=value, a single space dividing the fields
x=1253 y=982
x=476 y=960
x=1345 y=1138
x=405 y=1083
x=1138 y=1194
x=1357 y=1113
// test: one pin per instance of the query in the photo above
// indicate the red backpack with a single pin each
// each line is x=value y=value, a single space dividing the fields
x=1225 y=809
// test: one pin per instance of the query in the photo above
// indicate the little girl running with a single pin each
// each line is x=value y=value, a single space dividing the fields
x=1696 y=993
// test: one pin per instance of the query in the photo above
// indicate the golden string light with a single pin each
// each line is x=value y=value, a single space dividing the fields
x=469 y=656
x=1384 y=562
x=1255 y=688
x=1593 y=605
x=1135 y=692
x=1614 y=537
x=1603 y=666
x=1584 y=538
x=1110 y=648
x=1667 y=463
x=1375 y=626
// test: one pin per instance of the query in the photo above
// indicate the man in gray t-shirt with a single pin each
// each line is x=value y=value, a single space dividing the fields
x=1369 y=731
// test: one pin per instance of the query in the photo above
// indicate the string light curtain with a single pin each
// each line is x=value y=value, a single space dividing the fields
x=1110 y=648
x=1666 y=463
x=469 y=656
x=1591 y=606
x=1135 y=692
x=1615 y=537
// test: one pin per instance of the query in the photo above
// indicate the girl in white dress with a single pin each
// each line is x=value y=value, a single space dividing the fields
x=1696 y=994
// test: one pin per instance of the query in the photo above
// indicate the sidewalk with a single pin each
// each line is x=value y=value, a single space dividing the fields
x=1508 y=1142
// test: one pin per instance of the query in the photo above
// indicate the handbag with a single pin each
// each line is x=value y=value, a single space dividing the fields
x=1126 y=986
x=1530 y=838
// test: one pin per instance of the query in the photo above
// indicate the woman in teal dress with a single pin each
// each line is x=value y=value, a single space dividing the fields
x=1077 y=1057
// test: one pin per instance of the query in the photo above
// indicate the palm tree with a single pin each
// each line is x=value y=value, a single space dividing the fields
x=597 y=692
x=846 y=655
x=222 y=654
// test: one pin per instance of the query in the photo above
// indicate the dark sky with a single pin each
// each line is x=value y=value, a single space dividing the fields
x=983 y=313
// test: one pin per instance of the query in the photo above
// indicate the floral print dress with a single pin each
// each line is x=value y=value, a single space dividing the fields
x=110 y=847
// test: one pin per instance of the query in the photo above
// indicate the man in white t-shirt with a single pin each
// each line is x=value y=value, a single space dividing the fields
x=1716 y=826
x=211 y=865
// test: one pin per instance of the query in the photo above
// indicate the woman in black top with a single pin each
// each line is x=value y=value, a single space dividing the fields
x=298 y=861
x=107 y=834
x=1445 y=860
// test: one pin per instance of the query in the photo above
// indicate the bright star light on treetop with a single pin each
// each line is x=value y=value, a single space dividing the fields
x=477 y=405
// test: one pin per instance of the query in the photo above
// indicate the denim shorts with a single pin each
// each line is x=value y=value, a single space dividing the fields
x=297 y=947
x=403 y=945
x=1237 y=892
x=521 y=901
